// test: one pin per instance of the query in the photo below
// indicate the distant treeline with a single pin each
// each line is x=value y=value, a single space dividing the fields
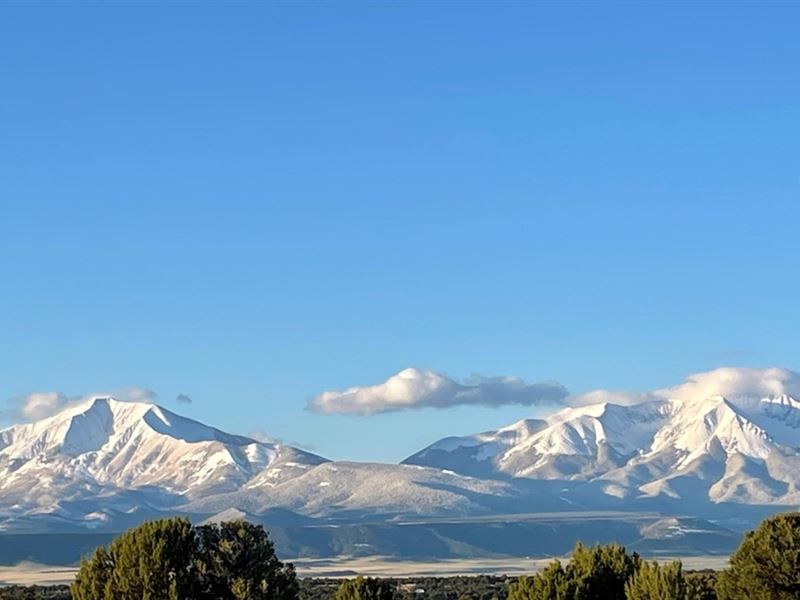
x=35 y=592
x=479 y=587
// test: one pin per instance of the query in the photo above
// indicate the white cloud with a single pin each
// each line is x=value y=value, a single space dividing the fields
x=611 y=396
x=736 y=383
x=131 y=394
x=40 y=405
x=731 y=382
x=262 y=436
x=418 y=388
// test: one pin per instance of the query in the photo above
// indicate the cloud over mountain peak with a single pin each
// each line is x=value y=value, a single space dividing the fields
x=731 y=382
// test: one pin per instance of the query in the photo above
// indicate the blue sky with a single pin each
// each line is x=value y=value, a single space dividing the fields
x=252 y=203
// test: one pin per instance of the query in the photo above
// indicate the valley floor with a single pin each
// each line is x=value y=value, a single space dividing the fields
x=373 y=566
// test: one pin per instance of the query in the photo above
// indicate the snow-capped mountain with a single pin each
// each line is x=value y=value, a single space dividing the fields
x=105 y=464
x=105 y=455
x=342 y=490
x=575 y=443
x=740 y=449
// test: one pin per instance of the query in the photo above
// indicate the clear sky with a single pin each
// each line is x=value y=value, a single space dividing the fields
x=252 y=203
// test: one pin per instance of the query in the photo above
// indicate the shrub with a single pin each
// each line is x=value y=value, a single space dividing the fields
x=701 y=585
x=362 y=588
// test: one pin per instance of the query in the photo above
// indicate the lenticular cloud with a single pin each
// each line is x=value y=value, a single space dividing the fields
x=419 y=388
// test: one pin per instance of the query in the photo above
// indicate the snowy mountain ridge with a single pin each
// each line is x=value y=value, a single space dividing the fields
x=704 y=448
x=124 y=455
x=105 y=463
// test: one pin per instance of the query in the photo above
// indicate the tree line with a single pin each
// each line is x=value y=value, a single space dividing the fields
x=172 y=559
x=766 y=566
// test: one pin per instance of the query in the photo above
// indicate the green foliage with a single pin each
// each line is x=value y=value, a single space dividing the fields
x=475 y=587
x=150 y=562
x=654 y=582
x=600 y=573
x=93 y=576
x=551 y=584
x=35 y=592
x=362 y=588
x=701 y=585
x=597 y=573
x=766 y=566
x=236 y=561
x=171 y=560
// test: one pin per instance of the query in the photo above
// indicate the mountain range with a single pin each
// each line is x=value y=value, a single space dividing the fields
x=704 y=449
x=689 y=466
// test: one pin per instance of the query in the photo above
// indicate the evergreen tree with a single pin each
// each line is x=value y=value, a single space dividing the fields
x=766 y=566
x=701 y=585
x=362 y=588
x=598 y=573
x=93 y=576
x=171 y=560
x=150 y=562
x=550 y=584
x=654 y=582
x=236 y=561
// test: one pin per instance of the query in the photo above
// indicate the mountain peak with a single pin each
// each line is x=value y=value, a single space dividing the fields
x=727 y=435
x=107 y=446
x=646 y=447
x=107 y=415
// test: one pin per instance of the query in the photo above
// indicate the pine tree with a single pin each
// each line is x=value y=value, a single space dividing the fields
x=171 y=560
x=362 y=588
x=654 y=582
x=93 y=576
x=701 y=585
x=237 y=562
x=149 y=558
x=145 y=563
x=550 y=584
x=597 y=573
x=600 y=573
x=766 y=566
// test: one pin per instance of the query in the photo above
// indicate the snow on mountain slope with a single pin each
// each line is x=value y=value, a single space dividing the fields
x=125 y=455
x=476 y=454
x=573 y=443
x=726 y=436
x=742 y=447
x=359 y=490
x=104 y=463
